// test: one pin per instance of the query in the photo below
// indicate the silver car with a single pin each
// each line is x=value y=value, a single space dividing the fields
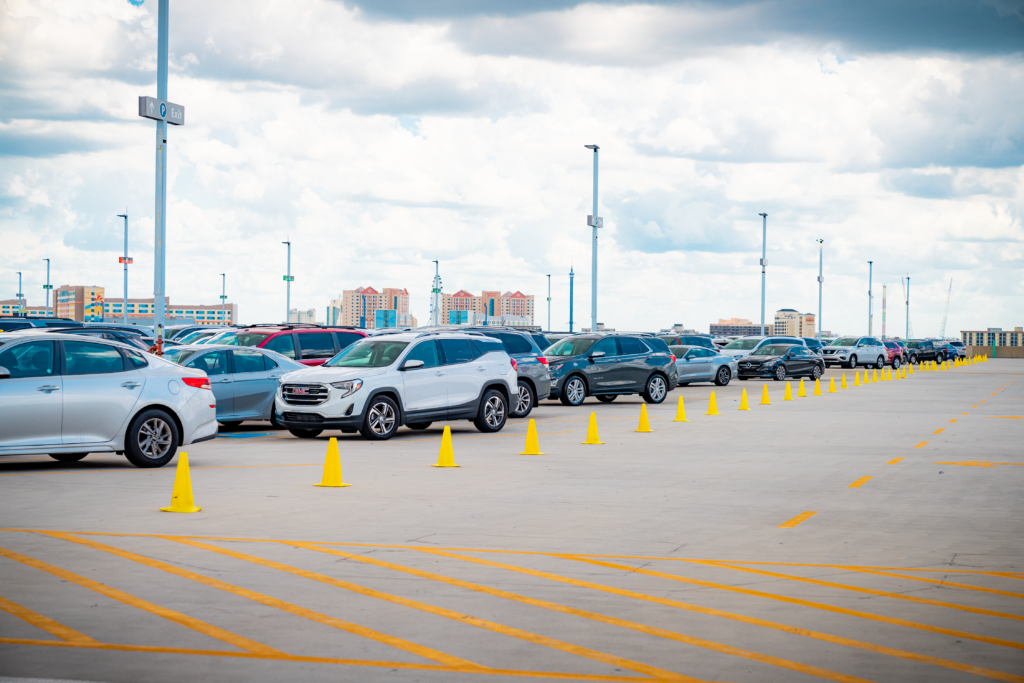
x=854 y=351
x=744 y=346
x=67 y=396
x=700 y=364
x=244 y=379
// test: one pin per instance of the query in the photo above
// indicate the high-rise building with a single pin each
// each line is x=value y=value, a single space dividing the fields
x=493 y=304
x=334 y=312
x=307 y=317
x=359 y=307
x=794 y=324
x=738 y=326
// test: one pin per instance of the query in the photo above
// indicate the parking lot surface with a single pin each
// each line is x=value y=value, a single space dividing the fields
x=869 y=534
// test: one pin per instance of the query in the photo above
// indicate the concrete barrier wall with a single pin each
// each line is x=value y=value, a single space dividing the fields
x=1001 y=351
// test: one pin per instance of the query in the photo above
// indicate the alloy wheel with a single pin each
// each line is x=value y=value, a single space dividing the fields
x=494 y=411
x=816 y=372
x=656 y=388
x=382 y=419
x=576 y=391
x=780 y=373
x=723 y=376
x=523 y=399
x=155 y=438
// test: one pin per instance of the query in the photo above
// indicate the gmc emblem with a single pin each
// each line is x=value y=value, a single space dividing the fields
x=300 y=390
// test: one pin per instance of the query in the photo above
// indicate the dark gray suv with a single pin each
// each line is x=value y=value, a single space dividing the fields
x=610 y=365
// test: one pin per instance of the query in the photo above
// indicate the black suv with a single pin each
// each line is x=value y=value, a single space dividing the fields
x=609 y=365
x=925 y=349
x=687 y=340
x=11 y=323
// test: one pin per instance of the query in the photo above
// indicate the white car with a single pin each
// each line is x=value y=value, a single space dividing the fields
x=66 y=397
x=413 y=378
x=744 y=346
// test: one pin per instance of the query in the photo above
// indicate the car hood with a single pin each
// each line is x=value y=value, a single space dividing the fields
x=322 y=375
x=736 y=353
x=761 y=359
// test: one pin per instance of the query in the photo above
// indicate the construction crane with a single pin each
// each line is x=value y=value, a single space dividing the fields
x=942 y=330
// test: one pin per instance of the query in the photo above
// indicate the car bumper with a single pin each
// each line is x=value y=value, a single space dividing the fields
x=754 y=372
x=291 y=419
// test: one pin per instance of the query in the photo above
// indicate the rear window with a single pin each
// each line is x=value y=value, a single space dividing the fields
x=541 y=341
x=316 y=344
x=458 y=351
x=8 y=325
x=657 y=344
x=346 y=339
x=243 y=338
x=514 y=343
x=485 y=346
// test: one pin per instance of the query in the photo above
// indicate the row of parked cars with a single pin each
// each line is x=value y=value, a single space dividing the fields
x=70 y=390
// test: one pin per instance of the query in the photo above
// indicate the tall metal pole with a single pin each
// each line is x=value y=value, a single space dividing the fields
x=907 y=333
x=124 y=303
x=160 y=246
x=288 y=289
x=549 y=303
x=570 y=299
x=595 y=222
x=821 y=251
x=21 y=307
x=764 y=262
x=870 y=318
x=47 y=288
x=223 y=297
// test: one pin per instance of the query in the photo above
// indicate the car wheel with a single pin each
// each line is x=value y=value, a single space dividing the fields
x=779 y=373
x=419 y=425
x=880 y=362
x=852 y=363
x=896 y=363
x=939 y=358
x=913 y=360
x=723 y=376
x=381 y=421
x=273 y=420
x=524 y=401
x=232 y=424
x=68 y=457
x=816 y=372
x=493 y=412
x=607 y=398
x=656 y=389
x=151 y=440
x=574 y=391
x=305 y=433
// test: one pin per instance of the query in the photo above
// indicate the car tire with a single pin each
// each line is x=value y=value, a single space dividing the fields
x=382 y=419
x=816 y=372
x=152 y=439
x=574 y=391
x=723 y=376
x=779 y=373
x=305 y=433
x=896 y=363
x=939 y=358
x=743 y=379
x=656 y=389
x=913 y=360
x=231 y=424
x=852 y=363
x=525 y=400
x=493 y=412
x=273 y=420
x=607 y=398
x=68 y=457
x=419 y=425
x=880 y=362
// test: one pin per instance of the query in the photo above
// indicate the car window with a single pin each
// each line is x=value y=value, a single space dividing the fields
x=457 y=351
x=571 y=346
x=514 y=343
x=693 y=353
x=368 y=353
x=247 y=360
x=631 y=346
x=484 y=346
x=179 y=355
x=87 y=358
x=8 y=325
x=243 y=338
x=678 y=351
x=541 y=341
x=316 y=345
x=608 y=346
x=742 y=344
x=283 y=344
x=772 y=350
x=213 y=363
x=427 y=352
x=345 y=339
x=34 y=359
x=656 y=344
x=135 y=359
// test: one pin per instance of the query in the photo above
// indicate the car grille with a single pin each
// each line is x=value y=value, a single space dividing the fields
x=750 y=365
x=304 y=394
x=303 y=417
x=829 y=351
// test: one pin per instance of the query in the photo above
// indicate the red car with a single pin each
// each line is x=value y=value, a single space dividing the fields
x=308 y=344
x=896 y=354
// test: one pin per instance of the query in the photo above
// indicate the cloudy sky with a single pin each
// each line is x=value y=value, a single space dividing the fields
x=379 y=136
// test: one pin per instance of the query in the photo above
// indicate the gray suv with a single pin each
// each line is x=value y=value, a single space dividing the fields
x=534 y=379
x=854 y=351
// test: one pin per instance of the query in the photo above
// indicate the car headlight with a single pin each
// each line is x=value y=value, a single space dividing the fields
x=349 y=387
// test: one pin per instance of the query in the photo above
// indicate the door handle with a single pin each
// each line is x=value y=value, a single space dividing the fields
x=131 y=385
x=223 y=381
x=481 y=369
x=438 y=374
x=275 y=377
x=48 y=388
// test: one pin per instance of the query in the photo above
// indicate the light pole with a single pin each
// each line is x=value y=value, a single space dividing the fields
x=907 y=333
x=160 y=246
x=125 y=260
x=48 y=287
x=821 y=250
x=21 y=306
x=764 y=262
x=223 y=298
x=288 y=286
x=435 y=296
x=549 y=303
x=870 y=266
x=595 y=222
x=570 y=299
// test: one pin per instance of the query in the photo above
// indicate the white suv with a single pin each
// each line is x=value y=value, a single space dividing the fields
x=744 y=346
x=411 y=378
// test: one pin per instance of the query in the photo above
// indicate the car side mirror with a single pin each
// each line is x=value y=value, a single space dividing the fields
x=597 y=354
x=412 y=364
x=5 y=373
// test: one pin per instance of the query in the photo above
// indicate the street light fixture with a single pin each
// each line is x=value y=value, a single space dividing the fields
x=595 y=222
x=223 y=297
x=821 y=250
x=764 y=262
x=21 y=306
x=125 y=260
x=48 y=287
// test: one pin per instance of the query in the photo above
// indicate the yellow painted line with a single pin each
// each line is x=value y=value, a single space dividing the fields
x=860 y=482
x=440 y=611
x=799 y=519
x=993 y=394
x=177 y=617
x=653 y=630
x=45 y=623
x=939 y=430
x=921 y=445
x=895 y=461
x=1005 y=417
x=355 y=629
x=317 y=660
x=966 y=413
x=936 y=582
x=953 y=420
x=975 y=406
x=894 y=596
x=870 y=647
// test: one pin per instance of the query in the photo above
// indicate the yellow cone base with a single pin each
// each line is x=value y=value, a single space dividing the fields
x=680 y=412
x=592 y=438
x=532 y=442
x=712 y=406
x=743 y=401
x=446 y=458
x=644 y=425
x=332 y=467
x=181 y=495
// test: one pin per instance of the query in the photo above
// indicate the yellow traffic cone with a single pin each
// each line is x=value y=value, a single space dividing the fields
x=817 y=387
x=842 y=385
x=910 y=368
x=874 y=375
x=832 y=384
x=888 y=374
x=743 y=401
x=712 y=406
x=181 y=496
x=332 y=466
x=800 y=392
x=592 y=438
x=788 y=396
x=765 y=401
x=644 y=425
x=856 y=379
x=446 y=457
x=680 y=412
x=532 y=443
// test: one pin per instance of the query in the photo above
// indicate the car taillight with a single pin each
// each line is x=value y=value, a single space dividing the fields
x=515 y=365
x=542 y=359
x=197 y=382
x=673 y=357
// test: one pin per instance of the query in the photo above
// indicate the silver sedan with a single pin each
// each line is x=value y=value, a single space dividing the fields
x=699 y=364
x=244 y=379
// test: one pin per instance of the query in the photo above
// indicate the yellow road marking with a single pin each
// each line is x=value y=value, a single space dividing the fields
x=921 y=445
x=953 y=420
x=47 y=624
x=860 y=482
x=976 y=406
x=355 y=629
x=799 y=519
x=895 y=461
x=939 y=430
x=978 y=463
x=902 y=654
x=967 y=413
x=440 y=611
x=177 y=617
x=945 y=583
x=1005 y=417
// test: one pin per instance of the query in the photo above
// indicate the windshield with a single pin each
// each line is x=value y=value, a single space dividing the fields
x=743 y=344
x=845 y=341
x=956 y=343
x=772 y=350
x=193 y=337
x=913 y=345
x=179 y=355
x=368 y=353
x=570 y=347
x=242 y=338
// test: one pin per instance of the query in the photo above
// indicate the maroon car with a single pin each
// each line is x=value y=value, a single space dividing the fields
x=896 y=354
x=308 y=344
